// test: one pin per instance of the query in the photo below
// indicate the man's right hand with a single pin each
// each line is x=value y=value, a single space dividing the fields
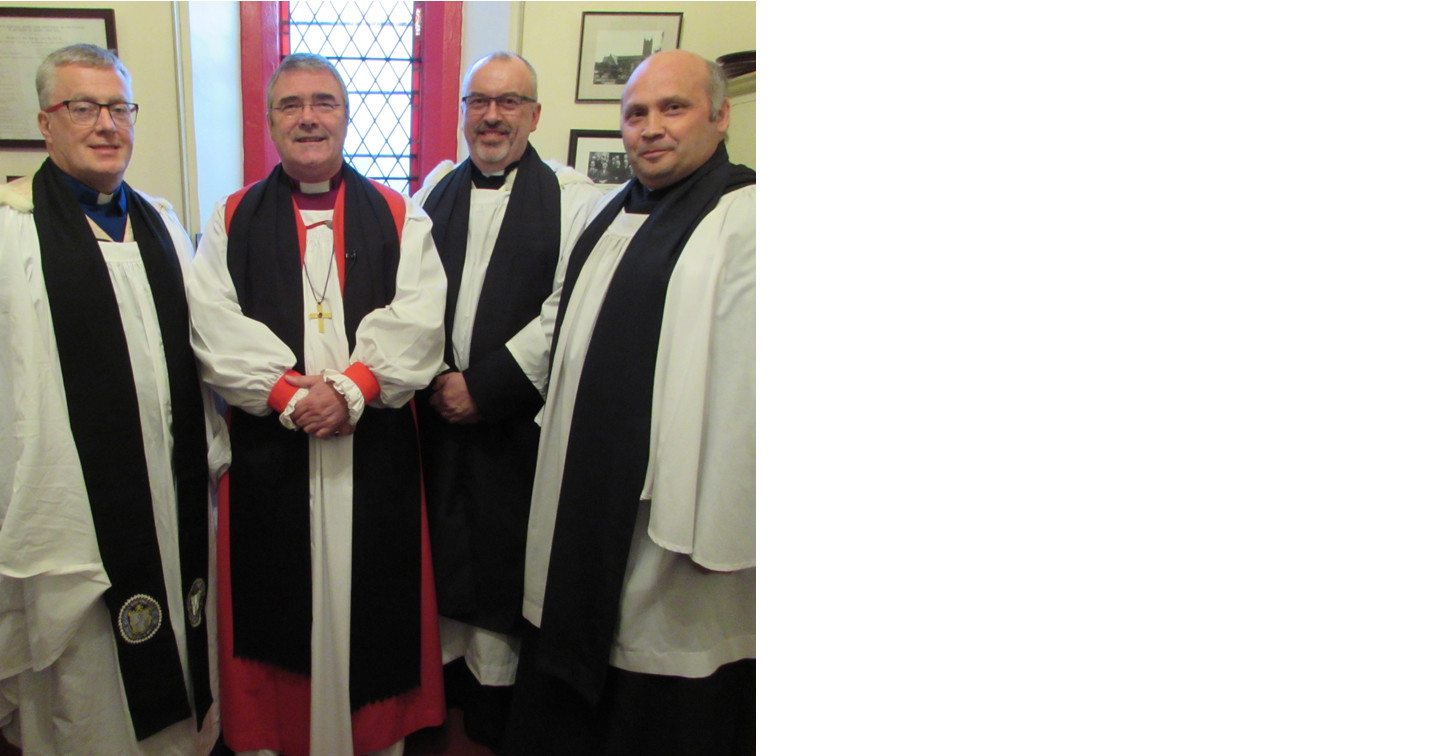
x=323 y=412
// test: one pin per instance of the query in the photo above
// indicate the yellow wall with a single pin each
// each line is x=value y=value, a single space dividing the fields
x=546 y=33
x=550 y=40
x=145 y=38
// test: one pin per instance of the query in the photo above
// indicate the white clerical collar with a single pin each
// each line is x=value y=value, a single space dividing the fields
x=316 y=187
x=103 y=199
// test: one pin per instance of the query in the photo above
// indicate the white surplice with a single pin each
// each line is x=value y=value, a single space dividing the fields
x=60 y=685
x=242 y=359
x=688 y=603
x=494 y=657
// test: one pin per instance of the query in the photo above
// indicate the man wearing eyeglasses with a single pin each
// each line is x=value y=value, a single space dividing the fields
x=317 y=301
x=504 y=221
x=106 y=645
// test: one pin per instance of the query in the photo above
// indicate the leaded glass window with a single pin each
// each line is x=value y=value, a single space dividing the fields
x=373 y=46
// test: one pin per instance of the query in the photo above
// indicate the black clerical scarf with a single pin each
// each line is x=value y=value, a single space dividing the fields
x=609 y=445
x=105 y=422
x=270 y=475
x=523 y=261
x=478 y=476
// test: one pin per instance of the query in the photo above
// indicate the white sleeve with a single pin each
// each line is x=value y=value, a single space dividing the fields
x=701 y=474
x=530 y=347
x=50 y=570
x=241 y=358
x=431 y=179
x=402 y=343
x=216 y=433
x=578 y=200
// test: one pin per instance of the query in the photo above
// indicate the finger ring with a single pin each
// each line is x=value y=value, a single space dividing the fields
x=336 y=433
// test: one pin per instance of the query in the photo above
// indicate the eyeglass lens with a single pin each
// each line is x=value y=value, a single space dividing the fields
x=293 y=109
x=85 y=113
x=506 y=103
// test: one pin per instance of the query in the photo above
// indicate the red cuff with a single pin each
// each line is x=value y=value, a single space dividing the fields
x=281 y=392
x=364 y=380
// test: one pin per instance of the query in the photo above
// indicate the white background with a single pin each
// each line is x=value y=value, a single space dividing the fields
x=1100 y=400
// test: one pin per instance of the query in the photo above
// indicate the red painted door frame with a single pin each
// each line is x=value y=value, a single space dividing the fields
x=435 y=115
x=259 y=56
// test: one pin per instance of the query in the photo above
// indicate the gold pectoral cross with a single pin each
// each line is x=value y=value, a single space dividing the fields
x=320 y=316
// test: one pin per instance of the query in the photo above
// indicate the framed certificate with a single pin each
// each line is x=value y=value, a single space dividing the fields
x=27 y=35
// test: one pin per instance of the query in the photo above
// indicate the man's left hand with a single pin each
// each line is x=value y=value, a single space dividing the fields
x=451 y=399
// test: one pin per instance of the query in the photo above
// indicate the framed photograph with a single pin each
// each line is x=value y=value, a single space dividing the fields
x=27 y=35
x=613 y=44
x=599 y=155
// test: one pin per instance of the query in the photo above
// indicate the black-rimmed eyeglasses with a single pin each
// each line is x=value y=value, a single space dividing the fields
x=508 y=103
x=84 y=112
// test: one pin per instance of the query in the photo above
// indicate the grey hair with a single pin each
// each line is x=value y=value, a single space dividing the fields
x=503 y=55
x=715 y=87
x=75 y=55
x=303 y=61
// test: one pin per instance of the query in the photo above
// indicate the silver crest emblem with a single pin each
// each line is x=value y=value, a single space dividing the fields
x=140 y=618
x=195 y=603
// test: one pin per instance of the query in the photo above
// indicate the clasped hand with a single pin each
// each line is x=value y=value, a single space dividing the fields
x=451 y=399
x=323 y=412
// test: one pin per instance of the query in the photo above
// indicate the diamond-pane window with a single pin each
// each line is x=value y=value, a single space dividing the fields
x=373 y=46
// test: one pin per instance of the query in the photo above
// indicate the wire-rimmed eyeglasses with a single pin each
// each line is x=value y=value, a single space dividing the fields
x=294 y=109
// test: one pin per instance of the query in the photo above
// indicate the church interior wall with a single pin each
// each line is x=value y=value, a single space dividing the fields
x=145 y=35
x=181 y=55
x=210 y=35
x=550 y=40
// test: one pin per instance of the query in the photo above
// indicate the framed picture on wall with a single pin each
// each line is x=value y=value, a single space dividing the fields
x=599 y=155
x=27 y=35
x=613 y=44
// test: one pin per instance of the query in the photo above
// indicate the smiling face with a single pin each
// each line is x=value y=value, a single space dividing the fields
x=498 y=139
x=95 y=155
x=665 y=119
x=310 y=144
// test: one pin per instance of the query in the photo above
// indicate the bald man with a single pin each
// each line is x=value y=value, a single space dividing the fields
x=640 y=560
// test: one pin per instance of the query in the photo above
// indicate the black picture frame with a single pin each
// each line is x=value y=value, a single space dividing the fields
x=599 y=154
x=613 y=43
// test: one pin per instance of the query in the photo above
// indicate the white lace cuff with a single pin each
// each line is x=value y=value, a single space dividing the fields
x=354 y=400
x=290 y=408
